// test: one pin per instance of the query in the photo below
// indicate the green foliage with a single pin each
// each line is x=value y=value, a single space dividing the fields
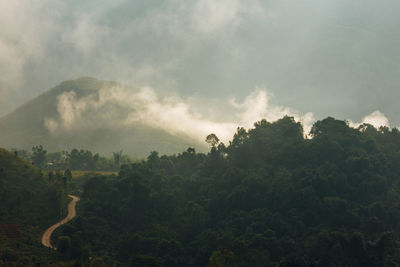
x=68 y=175
x=25 y=192
x=270 y=198
x=82 y=160
x=212 y=140
x=39 y=156
x=30 y=201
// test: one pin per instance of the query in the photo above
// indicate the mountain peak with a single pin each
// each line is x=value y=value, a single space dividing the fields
x=25 y=127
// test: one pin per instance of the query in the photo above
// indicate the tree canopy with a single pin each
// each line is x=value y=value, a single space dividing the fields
x=270 y=198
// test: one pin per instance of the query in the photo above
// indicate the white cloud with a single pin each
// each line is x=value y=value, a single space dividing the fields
x=257 y=106
x=120 y=107
x=124 y=107
x=376 y=119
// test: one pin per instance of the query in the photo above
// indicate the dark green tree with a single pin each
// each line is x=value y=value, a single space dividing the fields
x=212 y=140
x=39 y=156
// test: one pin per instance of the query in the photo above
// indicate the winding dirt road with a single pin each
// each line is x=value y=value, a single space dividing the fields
x=71 y=214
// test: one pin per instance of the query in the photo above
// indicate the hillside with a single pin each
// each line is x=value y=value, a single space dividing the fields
x=30 y=201
x=26 y=126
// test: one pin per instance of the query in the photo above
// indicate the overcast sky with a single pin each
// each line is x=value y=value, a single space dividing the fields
x=333 y=57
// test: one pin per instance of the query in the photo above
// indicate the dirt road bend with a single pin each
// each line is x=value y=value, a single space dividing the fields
x=71 y=214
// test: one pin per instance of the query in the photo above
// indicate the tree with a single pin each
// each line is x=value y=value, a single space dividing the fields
x=74 y=159
x=212 y=140
x=272 y=196
x=68 y=175
x=153 y=159
x=82 y=159
x=38 y=156
x=117 y=158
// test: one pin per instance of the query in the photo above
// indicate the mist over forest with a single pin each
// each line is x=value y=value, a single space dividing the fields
x=218 y=133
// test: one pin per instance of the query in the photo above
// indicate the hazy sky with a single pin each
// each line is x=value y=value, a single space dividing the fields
x=338 y=57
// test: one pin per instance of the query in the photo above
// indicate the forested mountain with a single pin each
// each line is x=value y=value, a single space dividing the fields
x=30 y=124
x=271 y=197
x=30 y=201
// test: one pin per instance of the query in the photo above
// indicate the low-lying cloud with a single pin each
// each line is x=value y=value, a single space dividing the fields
x=376 y=119
x=257 y=106
x=122 y=107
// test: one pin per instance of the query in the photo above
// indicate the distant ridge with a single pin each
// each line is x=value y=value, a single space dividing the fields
x=25 y=127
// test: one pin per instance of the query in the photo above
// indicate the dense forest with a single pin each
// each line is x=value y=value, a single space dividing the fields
x=30 y=201
x=271 y=197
